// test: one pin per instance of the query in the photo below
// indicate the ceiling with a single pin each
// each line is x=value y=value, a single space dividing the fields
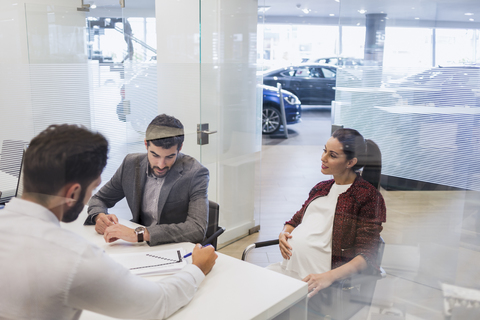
x=405 y=12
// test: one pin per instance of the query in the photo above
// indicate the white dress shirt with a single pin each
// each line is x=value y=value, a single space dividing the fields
x=47 y=272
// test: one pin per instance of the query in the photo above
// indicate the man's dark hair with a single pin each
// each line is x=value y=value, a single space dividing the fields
x=167 y=121
x=63 y=154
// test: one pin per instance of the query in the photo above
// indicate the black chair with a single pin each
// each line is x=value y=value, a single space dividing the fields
x=213 y=212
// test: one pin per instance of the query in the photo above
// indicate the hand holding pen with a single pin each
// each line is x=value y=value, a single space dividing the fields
x=208 y=241
x=204 y=257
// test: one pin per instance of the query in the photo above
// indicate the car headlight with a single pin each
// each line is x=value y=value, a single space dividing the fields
x=291 y=100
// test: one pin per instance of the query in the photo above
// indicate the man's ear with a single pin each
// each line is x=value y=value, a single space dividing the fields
x=146 y=144
x=73 y=194
x=352 y=162
x=179 y=149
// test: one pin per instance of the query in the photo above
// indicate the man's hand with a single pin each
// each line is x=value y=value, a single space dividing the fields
x=102 y=221
x=285 y=248
x=317 y=282
x=204 y=258
x=119 y=231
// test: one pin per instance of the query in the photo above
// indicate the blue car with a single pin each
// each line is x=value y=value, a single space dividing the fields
x=271 y=114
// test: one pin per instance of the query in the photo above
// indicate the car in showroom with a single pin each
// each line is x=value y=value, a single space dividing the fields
x=336 y=61
x=271 y=111
x=142 y=91
x=312 y=84
x=449 y=86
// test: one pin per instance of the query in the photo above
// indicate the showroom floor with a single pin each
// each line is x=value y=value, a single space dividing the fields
x=431 y=236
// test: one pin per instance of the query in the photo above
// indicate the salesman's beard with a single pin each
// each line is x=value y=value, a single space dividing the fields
x=72 y=214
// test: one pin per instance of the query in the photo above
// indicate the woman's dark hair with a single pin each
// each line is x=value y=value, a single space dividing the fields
x=167 y=121
x=63 y=154
x=366 y=151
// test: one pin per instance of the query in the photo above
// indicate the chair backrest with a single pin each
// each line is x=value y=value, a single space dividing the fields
x=213 y=212
x=11 y=157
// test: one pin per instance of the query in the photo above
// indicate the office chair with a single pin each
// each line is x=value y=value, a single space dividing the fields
x=11 y=157
x=213 y=212
x=343 y=298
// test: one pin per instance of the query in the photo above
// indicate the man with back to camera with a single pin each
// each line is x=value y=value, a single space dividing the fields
x=51 y=273
x=166 y=191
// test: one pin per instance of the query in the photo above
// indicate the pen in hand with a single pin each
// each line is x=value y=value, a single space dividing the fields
x=208 y=241
x=189 y=254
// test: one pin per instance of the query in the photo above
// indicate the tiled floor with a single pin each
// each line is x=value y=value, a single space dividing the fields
x=431 y=236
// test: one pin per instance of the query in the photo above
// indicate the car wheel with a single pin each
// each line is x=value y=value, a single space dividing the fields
x=271 y=120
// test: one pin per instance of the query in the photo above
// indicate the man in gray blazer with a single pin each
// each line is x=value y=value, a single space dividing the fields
x=165 y=190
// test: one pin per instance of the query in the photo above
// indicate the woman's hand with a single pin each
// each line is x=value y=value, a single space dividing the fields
x=285 y=248
x=317 y=282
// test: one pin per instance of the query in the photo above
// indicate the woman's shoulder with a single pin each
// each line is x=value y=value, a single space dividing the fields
x=362 y=187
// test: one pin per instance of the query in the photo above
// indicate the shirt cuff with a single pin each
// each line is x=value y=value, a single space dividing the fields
x=196 y=273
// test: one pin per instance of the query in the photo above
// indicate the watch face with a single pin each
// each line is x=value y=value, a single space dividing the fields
x=139 y=229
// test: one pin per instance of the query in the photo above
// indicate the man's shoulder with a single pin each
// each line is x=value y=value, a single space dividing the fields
x=189 y=162
x=135 y=157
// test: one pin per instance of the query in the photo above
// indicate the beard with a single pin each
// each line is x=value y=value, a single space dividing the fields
x=72 y=214
x=152 y=170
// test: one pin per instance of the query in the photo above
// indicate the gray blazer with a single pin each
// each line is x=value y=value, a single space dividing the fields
x=182 y=205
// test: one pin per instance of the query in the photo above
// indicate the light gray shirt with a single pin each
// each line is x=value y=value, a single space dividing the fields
x=151 y=194
x=51 y=273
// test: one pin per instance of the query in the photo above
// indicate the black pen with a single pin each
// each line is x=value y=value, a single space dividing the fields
x=207 y=242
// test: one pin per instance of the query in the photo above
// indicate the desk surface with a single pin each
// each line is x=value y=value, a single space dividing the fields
x=234 y=289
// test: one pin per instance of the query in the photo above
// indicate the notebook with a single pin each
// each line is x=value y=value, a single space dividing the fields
x=153 y=262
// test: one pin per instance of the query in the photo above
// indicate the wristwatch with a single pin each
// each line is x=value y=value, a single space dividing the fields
x=140 y=231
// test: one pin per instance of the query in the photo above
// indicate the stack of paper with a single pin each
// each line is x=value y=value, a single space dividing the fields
x=154 y=262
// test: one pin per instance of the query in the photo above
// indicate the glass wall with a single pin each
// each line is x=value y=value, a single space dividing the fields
x=414 y=89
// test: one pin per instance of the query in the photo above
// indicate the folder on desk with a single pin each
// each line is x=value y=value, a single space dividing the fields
x=153 y=262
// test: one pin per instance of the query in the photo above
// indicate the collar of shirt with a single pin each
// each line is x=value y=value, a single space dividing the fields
x=31 y=209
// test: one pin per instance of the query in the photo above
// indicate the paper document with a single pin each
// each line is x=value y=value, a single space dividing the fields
x=154 y=262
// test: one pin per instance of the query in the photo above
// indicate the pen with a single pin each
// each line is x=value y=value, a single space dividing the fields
x=207 y=242
x=189 y=254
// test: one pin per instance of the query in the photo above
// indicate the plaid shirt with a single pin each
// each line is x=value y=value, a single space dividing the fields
x=357 y=224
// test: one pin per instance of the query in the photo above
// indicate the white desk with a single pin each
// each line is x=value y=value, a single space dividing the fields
x=234 y=289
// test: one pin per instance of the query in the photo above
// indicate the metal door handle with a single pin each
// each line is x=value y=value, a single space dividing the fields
x=202 y=133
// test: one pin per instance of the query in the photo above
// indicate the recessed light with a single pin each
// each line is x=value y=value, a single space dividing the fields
x=471 y=19
x=93 y=6
x=362 y=11
x=417 y=18
x=358 y=23
x=337 y=0
x=469 y=14
x=263 y=9
x=306 y=10
x=331 y=14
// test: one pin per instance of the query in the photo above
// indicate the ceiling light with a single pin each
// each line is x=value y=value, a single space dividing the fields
x=358 y=23
x=469 y=14
x=417 y=18
x=306 y=10
x=471 y=19
x=362 y=11
x=337 y=0
x=93 y=6
x=331 y=14
x=263 y=9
